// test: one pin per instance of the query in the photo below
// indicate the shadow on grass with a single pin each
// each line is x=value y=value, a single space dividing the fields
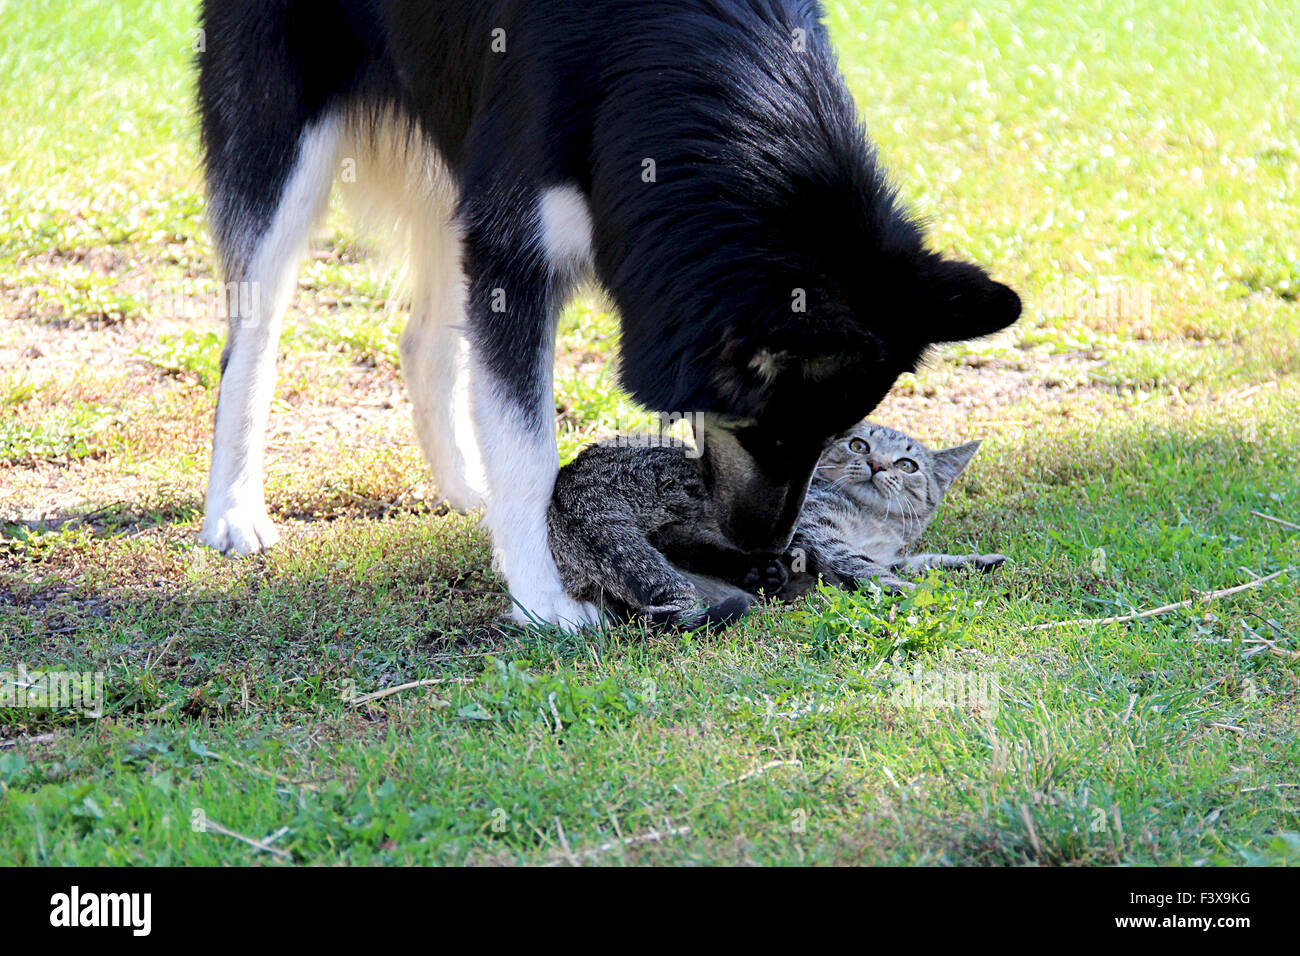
x=354 y=601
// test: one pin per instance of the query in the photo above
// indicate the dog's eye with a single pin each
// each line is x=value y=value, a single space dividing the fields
x=906 y=465
x=859 y=447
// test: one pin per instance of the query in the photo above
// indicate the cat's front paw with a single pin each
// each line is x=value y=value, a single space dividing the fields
x=893 y=585
x=888 y=584
x=768 y=575
x=987 y=562
x=719 y=617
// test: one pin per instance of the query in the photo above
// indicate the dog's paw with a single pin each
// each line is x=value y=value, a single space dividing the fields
x=461 y=498
x=768 y=575
x=239 y=531
x=558 y=610
x=987 y=562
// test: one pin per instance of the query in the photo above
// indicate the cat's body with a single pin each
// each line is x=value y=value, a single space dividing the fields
x=632 y=527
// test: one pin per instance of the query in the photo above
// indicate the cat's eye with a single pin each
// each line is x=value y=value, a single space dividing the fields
x=859 y=447
x=906 y=465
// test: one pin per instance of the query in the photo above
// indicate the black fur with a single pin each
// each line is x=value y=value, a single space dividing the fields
x=764 y=184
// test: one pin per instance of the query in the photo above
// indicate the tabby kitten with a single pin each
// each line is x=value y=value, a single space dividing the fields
x=873 y=493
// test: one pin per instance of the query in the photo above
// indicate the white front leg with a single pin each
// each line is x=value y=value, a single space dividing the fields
x=260 y=288
x=235 y=520
x=520 y=462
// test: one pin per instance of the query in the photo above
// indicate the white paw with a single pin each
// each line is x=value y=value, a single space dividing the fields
x=558 y=610
x=462 y=499
x=239 y=531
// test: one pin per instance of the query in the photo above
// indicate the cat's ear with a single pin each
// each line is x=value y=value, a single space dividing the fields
x=960 y=301
x=951 y=462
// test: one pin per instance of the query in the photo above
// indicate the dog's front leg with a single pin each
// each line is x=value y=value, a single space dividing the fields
x=236 y=521
x=513 y=308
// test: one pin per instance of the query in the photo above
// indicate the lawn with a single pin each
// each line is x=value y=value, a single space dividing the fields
x=1129 y=166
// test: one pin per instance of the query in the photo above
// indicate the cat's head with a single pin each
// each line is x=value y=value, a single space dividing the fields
x=902 y=476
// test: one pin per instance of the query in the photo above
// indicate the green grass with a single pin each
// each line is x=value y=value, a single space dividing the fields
x=188 y=353
x=63 y=435
x=1138 y=148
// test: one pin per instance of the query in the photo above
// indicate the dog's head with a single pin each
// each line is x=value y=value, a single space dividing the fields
x=770 y=277
x=788 y=390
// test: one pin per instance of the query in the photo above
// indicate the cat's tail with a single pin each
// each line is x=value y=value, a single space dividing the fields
x=717 y=617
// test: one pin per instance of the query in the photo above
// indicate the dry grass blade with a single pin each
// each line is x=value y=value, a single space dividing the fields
x=306 y=785
x=400 y=688
x=1264 y=644
x=1157 y=611
x=263 y=845
x=564 y=844
x=1286 y=524
x=650 y=836
x=759 y=771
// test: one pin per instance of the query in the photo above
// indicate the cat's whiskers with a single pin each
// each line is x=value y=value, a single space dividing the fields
x=851 y=475
x=844 y=478
x=889 y=503
x=908 y=512
x=905 y=510
x=912 y=513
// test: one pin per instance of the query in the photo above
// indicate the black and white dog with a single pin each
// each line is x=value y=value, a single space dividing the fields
x=702 y=157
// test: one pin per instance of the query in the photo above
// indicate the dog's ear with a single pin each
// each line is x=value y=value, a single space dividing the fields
x=959 y=301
